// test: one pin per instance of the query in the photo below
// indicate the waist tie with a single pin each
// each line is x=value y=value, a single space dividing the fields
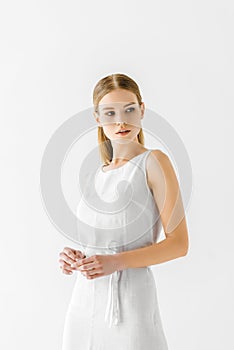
x=112 y=315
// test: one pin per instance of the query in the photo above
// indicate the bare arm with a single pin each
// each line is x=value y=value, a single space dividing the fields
x=164 y=185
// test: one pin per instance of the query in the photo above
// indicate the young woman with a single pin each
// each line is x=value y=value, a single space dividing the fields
x=114 y=303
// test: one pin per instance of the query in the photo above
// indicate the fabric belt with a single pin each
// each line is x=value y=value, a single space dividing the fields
x=112 y=315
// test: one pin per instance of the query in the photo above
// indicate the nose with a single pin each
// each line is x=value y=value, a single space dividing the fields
x=120 y=117
x=120 y=122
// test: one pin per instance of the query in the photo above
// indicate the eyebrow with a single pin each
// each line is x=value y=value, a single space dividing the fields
x=128 y=104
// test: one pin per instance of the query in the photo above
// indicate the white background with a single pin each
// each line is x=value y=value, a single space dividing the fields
x=181 y=55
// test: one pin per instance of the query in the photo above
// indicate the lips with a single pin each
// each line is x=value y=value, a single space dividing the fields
x=119 y=132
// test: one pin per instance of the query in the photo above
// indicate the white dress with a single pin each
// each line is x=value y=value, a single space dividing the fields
x=118 y=311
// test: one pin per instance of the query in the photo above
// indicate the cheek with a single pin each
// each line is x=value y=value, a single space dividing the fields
x=109 y=129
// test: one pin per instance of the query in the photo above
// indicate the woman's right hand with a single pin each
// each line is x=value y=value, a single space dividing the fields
x=67 y=257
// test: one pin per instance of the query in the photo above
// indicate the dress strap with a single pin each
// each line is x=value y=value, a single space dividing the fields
x=141 y=159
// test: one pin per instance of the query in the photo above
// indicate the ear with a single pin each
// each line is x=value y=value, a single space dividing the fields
x=142 y=106
x=95 y=114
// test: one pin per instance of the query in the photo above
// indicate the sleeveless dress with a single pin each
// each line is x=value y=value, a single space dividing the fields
x=118 y=311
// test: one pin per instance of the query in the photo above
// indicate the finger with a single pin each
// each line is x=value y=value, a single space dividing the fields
x=87 y=267
x=65 y=265
x=77 y=264
x=66 y=271
x=84 y=261
x=66 y=258
x=68 y=250
x=96 y=275
x=79 y=254
x=88 y=273
x=94 y=272
x=71 y=253
x=68 y=253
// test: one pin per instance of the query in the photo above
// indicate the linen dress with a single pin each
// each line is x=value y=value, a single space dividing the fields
x=120 y=310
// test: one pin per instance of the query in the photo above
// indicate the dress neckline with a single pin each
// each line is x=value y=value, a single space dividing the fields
x=111 y=170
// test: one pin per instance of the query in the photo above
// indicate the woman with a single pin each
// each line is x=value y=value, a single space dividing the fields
x=114 y=302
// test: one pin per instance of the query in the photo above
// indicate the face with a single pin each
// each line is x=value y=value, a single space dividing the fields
x=120 y=109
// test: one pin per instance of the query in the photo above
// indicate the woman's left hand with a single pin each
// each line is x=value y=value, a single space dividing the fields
x=96 y=265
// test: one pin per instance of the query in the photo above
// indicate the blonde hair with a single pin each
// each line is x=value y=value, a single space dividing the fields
x=103 y=87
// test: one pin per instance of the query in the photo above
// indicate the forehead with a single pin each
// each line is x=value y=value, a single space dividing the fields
x=118 y=95
x=116 y=105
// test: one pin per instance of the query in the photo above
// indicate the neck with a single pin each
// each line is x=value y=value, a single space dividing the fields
x=125 y=151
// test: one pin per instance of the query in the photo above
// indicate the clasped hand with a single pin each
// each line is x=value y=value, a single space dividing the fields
x=92 y=267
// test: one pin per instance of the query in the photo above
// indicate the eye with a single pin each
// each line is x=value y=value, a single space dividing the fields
x=132 y=108
x=107 y=113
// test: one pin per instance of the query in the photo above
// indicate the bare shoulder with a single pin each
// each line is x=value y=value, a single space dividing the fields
x=157 y=162
x=159 y=155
